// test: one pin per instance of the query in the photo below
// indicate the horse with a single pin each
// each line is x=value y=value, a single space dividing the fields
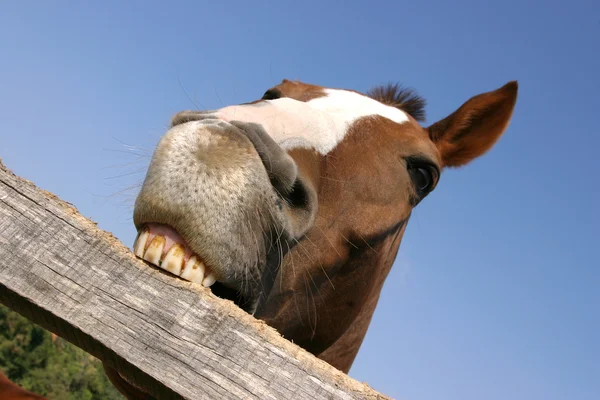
x=294 y=205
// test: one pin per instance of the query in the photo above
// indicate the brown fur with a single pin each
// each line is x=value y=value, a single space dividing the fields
x=299 y=90
x=332 y=279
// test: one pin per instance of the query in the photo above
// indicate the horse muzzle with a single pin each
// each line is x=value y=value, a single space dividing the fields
x=218 y=200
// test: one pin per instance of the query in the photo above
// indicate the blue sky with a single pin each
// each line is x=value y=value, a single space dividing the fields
x=495 y=290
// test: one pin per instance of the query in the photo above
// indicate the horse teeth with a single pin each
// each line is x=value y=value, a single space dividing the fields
x=174 y=259
x=140 y=243
x=193 y=270
x=154 y=252
x=209 y=280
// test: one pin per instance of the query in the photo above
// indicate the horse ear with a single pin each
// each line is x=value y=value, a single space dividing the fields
x=474 y=128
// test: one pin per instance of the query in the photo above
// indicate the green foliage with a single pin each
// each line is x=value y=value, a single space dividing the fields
x=50 y=366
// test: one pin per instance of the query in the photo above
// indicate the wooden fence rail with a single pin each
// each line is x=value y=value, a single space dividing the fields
x=172 y=338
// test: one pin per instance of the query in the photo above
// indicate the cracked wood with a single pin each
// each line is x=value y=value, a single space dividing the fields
x=172 y=338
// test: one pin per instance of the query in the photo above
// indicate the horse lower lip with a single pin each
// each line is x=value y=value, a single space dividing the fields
x=163 y=247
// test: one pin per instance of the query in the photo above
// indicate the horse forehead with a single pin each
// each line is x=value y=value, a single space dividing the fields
x=350 y=106
x=333 y=115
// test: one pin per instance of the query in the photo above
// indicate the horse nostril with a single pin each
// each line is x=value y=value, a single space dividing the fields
x=187 y=116
x=280 y=166
x=298 y=196
x=301 y=208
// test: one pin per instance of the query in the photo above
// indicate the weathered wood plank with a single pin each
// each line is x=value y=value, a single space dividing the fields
x=172 y=338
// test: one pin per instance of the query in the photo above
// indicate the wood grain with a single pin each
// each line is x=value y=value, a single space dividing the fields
x=172 y=338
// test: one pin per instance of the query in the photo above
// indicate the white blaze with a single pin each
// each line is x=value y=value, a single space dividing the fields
x=320 y=123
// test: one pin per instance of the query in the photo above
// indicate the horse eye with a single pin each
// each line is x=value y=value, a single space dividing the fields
x=423 y=176
x=422 y=179
x=272 y=94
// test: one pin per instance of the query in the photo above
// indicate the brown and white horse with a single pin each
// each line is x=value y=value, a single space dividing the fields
x=294 y=205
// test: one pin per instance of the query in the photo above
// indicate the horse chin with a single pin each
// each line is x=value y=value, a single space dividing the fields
x=163 y=247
